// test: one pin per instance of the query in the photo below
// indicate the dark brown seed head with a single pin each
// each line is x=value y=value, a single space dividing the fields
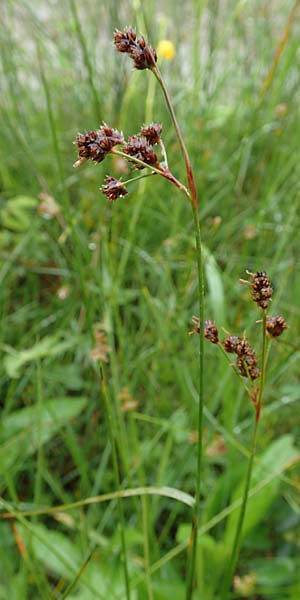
x=139 y=148
x=211 y=332
x=152 y=133
x=88 y=147
x=125 y=40
x=275 y=326
x=236 y=345
x=230 y=343
x=143 y=56
x=261 y=288
x=94 y=145
x=247 y=367
x=113 y=188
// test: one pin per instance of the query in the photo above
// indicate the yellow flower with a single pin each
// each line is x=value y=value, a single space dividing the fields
x=165 y=49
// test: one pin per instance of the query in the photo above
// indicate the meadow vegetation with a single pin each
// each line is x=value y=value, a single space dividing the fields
x=99 y=375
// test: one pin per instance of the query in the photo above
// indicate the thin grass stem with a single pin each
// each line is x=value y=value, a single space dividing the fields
x=197 y=231
x=110 y=427
x=239 y=529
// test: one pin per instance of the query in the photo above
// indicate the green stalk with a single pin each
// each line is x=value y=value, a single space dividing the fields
x=111 y=433
x=194 y=204
x=155 y=170
x=238 y=534
x=86 y=58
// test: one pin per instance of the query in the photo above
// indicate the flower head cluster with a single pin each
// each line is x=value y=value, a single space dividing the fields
x=95 y=145
x=138 y=147
x=143 y=56
x=275 y=326
x=113 y=188
x=246 y=361
x=152 y=133
x=261 y=288
x=210 y=331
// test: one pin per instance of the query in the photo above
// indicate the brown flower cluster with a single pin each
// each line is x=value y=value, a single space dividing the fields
x=260 y=288
x=95 y=145
x=210 y=331
x=143 y=56
x=152 y=133
x=246 y=361
x=139 y=148
x=113 y=188
x=275 y=326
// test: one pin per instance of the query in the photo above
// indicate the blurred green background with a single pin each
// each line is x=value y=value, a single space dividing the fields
x=73 y=265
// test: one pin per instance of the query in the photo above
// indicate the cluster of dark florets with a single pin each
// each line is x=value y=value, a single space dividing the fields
x=143 y=56
x=139 y=148
x=260 y=288
x=275 y=326
x=152 y=133
x=113 y=188
x=95 y=145
x=210 y=330
x=246 y=361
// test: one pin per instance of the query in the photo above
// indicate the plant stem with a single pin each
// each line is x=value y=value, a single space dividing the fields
x=111 y=433
x=157 y=169
x=197 y=230
x=238 y=534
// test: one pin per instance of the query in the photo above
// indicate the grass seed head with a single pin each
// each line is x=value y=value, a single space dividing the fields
x=143 y=56
x=261 y=288
x=95 y=145
x=152 y=133
x=210 y=332
x=113 y=188
x=275 y=326
x=139 y=148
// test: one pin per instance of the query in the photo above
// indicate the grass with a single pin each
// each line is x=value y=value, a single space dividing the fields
x=130 y=266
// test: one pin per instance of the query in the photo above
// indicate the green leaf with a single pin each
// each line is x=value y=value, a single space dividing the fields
x=17 y=213
x=62 y=557
x=215 y=287
x=275 y=572
x=209 y=552
x=48 y=346
x=278 y=456
x=23 y=431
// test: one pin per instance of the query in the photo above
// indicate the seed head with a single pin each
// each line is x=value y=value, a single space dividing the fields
x=113 y=188
x=230 y=343
x=125 y=41
x=275 y=326
x=261 y=288
x=94 y=145
x=143 y=56
x=152 y=133
x=139 y=148
x=246 y=361
x=247 y=367
x=235 y=344
x=211 y=332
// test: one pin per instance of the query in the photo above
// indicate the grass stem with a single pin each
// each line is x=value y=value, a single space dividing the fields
x=194 y=204
x=238 y=534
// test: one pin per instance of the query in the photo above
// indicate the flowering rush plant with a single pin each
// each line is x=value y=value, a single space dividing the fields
x=145 y=150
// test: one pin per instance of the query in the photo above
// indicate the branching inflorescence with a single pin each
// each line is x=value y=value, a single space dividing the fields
x=142 y=151
x=246 y=366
